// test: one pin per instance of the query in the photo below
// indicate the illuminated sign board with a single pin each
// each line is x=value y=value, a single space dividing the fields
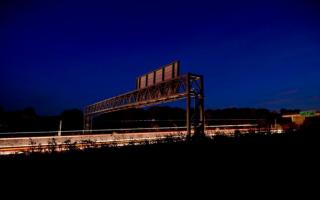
x=165 y=73
x=308 y=113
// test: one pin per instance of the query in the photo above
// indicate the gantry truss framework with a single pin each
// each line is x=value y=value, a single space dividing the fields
x=188 y=86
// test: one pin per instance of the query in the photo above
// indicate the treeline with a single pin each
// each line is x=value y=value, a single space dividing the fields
x=28 y=120
x=175 y=117
x=152 y=117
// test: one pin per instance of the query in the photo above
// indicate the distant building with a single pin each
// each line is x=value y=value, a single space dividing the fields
x=299 y=118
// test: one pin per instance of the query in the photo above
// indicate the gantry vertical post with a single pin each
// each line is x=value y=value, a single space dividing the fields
x=188 y=109
x=85 y=126
x=201 y=105
x=87 y=123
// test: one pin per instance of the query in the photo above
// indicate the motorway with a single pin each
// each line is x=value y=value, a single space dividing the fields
x=24 y=144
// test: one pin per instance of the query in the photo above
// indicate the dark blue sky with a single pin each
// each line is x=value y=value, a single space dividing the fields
x=64 y=54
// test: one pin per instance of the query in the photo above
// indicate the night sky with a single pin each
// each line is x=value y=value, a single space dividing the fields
x=57 y=54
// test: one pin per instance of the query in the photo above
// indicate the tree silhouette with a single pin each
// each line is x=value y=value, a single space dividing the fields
x=72 y=119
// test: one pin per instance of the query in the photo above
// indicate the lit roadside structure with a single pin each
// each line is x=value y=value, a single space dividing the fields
x=162 y=85
x=300 y=118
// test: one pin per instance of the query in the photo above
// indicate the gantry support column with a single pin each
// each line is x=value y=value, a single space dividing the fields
x=87 y=124
x=201 y=107
x=188 y=108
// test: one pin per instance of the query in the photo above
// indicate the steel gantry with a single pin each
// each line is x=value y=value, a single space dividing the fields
x=188 y=86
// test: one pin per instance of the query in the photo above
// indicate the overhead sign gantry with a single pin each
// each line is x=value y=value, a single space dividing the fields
x=159 y=86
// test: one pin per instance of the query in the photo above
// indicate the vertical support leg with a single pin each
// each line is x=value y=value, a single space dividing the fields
x=87 y=124
x=188 y=109
x=201 y=105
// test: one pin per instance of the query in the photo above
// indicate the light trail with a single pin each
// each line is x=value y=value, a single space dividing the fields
x=20 y=145
x=125 y=129
x=23 y=144
x=97 y=130
x=236 y=125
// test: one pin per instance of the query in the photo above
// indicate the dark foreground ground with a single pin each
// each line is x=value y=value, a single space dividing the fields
x=265 y=164
x=234 y=153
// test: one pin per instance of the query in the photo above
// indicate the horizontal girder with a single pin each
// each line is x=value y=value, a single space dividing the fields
x=172 y=90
